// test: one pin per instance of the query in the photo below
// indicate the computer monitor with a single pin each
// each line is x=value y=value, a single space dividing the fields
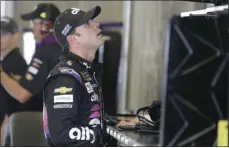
x=195 y=80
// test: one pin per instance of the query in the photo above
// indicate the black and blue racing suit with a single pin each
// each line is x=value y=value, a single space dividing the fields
x=73 y=107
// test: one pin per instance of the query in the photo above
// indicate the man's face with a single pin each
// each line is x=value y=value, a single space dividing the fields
x=36 y=26
x=90 y=35
x=6 y=41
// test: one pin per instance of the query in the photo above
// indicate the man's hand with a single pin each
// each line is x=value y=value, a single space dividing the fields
x=14 y=89
x=130 y=122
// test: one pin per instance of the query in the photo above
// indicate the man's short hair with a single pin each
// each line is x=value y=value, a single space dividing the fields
x=8 y=25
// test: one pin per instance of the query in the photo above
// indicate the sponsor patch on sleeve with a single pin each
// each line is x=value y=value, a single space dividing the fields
x=63 y=98
x=33 y=70
x=37 y=60
x=35 y=64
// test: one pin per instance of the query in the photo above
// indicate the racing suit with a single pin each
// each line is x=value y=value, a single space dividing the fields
x=73 y=107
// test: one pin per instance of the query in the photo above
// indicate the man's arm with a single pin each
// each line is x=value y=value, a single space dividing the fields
x=30 y=83
x=14 y=88
x=64 y=115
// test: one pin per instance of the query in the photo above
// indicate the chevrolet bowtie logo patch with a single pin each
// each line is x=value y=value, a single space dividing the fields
x=62 y=90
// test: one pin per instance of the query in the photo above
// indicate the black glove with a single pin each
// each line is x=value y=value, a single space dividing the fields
x=155 y=110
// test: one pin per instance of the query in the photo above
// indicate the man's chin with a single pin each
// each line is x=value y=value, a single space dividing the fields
x=102 y=42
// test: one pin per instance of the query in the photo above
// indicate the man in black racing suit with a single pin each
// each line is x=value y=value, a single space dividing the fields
x=73 y=107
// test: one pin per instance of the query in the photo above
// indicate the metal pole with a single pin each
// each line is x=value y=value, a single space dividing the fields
x=3 y=6
x=7 y=8
x=228 y=77
x=124 y=59
x=101 y=54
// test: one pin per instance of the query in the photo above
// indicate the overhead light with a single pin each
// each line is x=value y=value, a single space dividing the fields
x=204 y=11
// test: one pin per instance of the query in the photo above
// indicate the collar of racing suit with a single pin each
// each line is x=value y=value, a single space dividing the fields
x=91 y=67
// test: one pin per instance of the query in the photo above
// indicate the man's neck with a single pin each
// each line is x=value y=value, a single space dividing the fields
x=89 y=56
x=6 y=52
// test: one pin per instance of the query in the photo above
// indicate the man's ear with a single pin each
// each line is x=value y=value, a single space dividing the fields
x=71 y=38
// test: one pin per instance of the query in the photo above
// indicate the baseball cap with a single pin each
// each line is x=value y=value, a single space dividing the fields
x=44 y=11
x=71 y=18
x=8 y=25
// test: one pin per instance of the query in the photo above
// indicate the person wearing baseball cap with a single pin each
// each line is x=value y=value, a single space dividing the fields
x=73 y=105
x=12 y=63
x=28 y=90
x=42 y=19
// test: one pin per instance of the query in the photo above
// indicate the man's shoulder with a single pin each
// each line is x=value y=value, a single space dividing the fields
x=62 y=84
x=65 y=68
x=63 y=73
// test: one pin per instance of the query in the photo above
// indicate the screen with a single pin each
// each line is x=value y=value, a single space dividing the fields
x=195 y=81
